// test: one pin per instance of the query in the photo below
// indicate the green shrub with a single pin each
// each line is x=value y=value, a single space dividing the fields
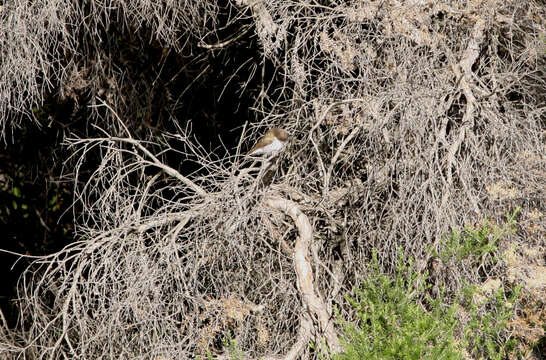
x=397 y=319
x=479 y=243
x=485 y=334
x=393 y=324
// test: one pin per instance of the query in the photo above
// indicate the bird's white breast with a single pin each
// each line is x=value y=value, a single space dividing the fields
x=274 y=146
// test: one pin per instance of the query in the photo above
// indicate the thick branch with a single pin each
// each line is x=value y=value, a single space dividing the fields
x=312 y=301
x=463 y=71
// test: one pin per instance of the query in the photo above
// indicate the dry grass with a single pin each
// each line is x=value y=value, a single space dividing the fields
x=409 y=118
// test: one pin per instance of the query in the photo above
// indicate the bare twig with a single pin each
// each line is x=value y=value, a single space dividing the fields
x=155 y=161
x=227 y=42
x=340 y=149
x=317 y=124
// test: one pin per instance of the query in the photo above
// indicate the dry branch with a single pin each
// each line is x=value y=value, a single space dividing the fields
x=463 y=72
x=158 y=259
x=326 y=175
x=312 y=301
x=156 y=162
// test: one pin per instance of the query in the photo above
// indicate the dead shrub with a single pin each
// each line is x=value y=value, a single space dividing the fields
x=408 y=118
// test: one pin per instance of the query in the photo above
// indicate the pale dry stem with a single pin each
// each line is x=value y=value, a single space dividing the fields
x=312 y=301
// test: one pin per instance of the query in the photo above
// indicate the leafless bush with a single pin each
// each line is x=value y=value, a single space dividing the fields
x=408 y=119
x=418 y=107
x=69 y=47
x=155 y=276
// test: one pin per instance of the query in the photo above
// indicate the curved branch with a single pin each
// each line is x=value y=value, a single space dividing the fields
x=353 y=133
x=312 y=301
x=304 y=335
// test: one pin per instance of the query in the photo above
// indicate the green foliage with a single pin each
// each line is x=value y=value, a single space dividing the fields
x=480 y=243
x=398 y=320
x=13 y=203
x=19 y=201
x=484 y=334
x=394 y=325
x=233 y=349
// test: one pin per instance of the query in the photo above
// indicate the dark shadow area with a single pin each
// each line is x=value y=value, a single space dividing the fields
x=210 y=90
x=35 y=218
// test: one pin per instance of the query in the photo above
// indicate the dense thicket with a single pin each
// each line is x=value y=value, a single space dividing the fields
x=407 y=119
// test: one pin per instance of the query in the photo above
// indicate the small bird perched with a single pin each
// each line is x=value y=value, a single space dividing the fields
x=273 y=141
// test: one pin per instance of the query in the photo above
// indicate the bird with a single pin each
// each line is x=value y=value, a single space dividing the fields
x=273 y=141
